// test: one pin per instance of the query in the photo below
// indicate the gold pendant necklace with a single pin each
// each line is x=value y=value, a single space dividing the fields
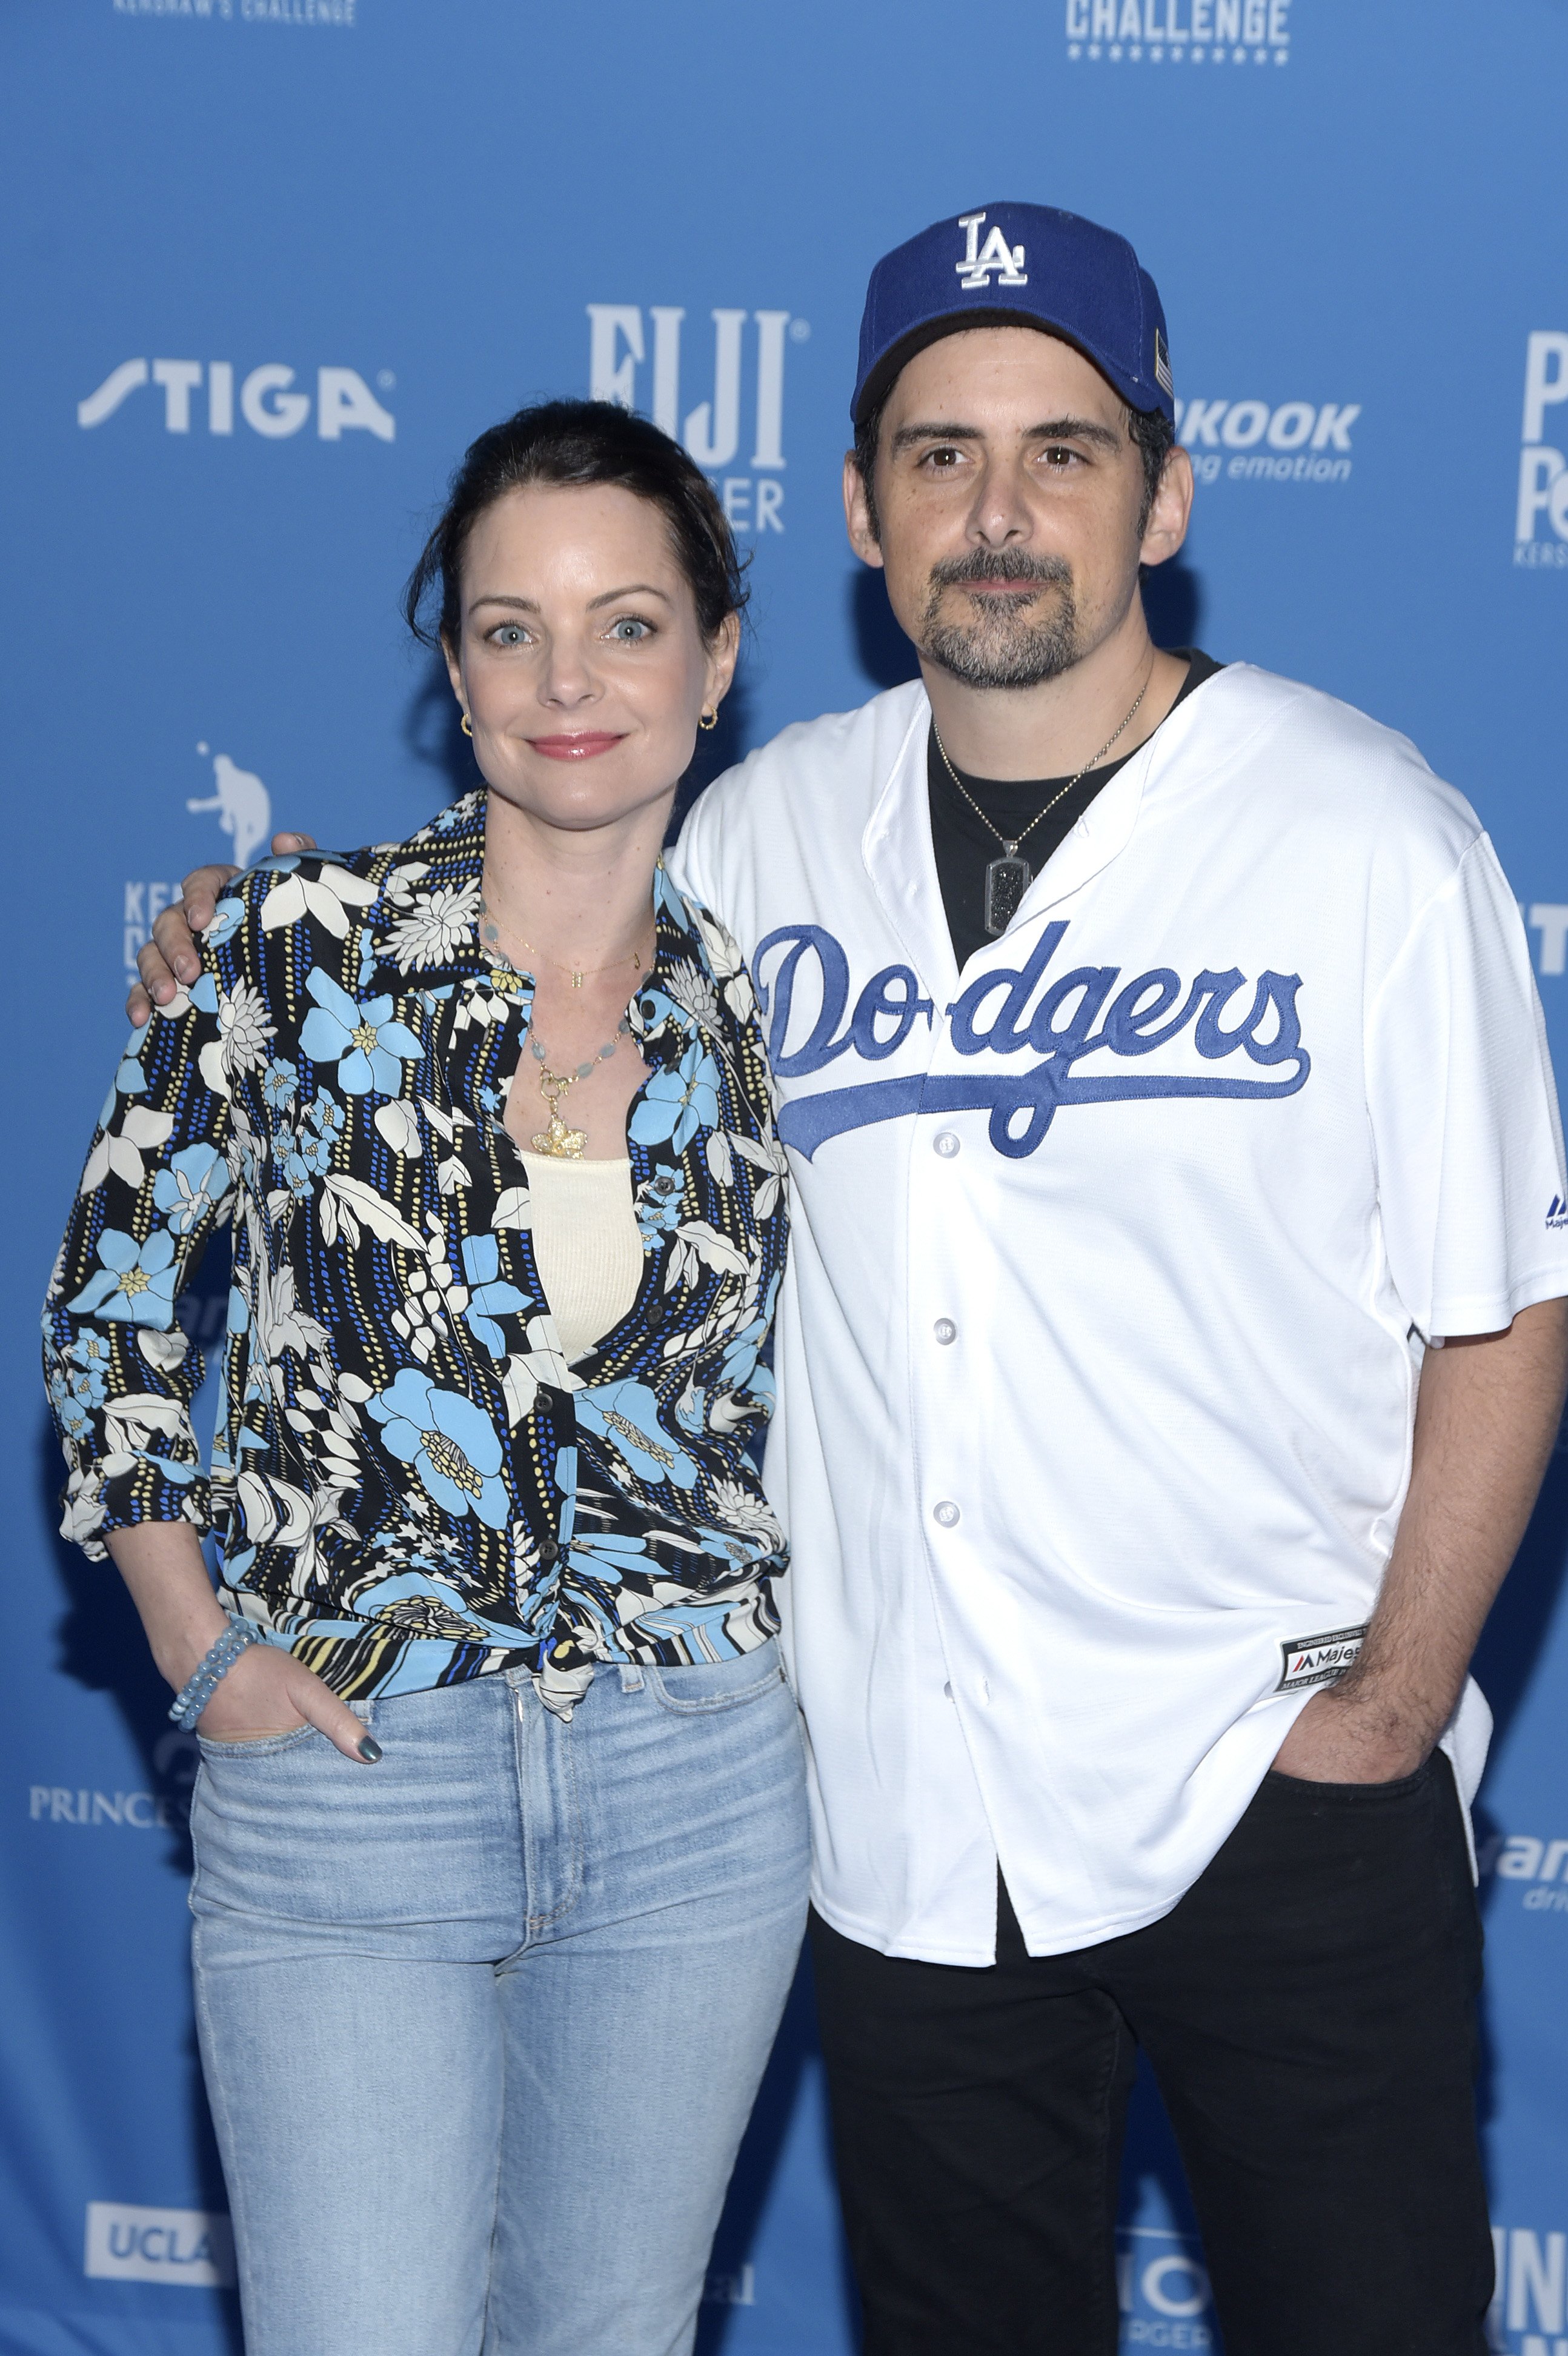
x=490 y=933
x=562 y=1143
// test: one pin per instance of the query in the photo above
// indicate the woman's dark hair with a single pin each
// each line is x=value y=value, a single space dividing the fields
x=570 y=444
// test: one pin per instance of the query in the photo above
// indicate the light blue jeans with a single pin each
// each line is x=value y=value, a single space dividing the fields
x=482 y=2025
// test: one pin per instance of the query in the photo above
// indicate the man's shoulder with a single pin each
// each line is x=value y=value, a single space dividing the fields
x=1327 y=758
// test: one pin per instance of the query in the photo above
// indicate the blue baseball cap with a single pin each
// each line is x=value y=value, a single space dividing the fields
x=1017 y=266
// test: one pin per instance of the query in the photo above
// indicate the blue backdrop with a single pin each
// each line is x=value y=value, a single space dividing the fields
x=269 y=265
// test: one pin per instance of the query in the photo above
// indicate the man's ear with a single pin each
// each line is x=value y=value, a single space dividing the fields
x=858 y=513
x=1172 y=510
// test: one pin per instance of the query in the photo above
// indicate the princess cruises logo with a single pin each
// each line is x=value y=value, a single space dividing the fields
x=622 y=340
x=1540 y=518
x=1179 y=32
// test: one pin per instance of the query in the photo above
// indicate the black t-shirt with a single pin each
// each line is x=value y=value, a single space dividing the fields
x=964 y=845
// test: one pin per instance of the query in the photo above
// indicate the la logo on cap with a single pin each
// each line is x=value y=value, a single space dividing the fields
x=996 y=254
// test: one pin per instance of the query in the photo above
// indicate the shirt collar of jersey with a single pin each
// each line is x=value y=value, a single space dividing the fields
x=439 y=868
x=900 y=860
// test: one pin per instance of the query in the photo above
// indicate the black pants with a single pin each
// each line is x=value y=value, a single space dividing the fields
x=1308 y=2010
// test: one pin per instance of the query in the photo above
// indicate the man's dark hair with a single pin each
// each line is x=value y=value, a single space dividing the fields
x=572 y=444
x=1151 y=429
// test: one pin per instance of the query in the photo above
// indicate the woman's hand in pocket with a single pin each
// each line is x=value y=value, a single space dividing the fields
x=269 y=1692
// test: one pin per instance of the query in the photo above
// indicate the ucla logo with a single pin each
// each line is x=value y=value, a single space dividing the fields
x=979 y=261
x=1063 y=1022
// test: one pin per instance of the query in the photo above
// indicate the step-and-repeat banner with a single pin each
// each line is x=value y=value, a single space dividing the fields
x=269 y=265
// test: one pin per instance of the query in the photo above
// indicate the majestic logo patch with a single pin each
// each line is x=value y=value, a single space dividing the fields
x=1318 y=1660
x=1557 y=1213
x=979 y=261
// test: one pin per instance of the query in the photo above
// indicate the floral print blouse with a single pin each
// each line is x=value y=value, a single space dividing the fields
x=410 y=1484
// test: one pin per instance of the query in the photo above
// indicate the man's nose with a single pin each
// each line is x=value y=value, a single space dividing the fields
x=999 y=515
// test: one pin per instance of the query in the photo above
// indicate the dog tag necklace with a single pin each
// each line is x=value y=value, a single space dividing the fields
x=1010 y=877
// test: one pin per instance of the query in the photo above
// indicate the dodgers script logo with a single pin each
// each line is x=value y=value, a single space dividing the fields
x=994 y=1017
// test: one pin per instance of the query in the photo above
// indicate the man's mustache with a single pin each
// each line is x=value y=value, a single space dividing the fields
x=1003 y=564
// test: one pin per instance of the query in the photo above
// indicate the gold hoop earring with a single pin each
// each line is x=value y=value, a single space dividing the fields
x=467 y=725
x=707 y=719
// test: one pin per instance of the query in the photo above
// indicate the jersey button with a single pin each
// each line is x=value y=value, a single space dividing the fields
x=947 y=1691
x=945 y=1331
x=944 y=1143
x=946 y=1514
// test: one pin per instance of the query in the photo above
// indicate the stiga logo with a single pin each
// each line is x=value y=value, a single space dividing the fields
x=744 y=365
x=1541 y=516
x=1268 y=442
x=269 y=401
x=1179 y=32
x=189 y=2249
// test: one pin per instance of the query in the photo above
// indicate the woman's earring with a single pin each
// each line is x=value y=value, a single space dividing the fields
x=467 y=725
x=707 y=718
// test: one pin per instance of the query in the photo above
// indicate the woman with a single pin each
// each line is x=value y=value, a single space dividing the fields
x=499 y=1832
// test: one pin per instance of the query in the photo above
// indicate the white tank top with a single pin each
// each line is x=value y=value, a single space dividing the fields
x=588 y=1248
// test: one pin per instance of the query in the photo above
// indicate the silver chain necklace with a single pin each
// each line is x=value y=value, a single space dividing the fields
x=1010 y=877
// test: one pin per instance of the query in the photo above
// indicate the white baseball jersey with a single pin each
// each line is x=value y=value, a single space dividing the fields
x=1112 y=1264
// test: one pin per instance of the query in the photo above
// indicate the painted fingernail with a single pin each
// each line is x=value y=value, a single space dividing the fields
x=369 y=1751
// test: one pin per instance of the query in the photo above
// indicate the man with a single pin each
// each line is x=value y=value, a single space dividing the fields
x=1172 y=1346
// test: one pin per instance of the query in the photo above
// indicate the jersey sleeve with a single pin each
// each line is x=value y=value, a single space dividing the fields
x=1463 y=1113
x=122 y=1375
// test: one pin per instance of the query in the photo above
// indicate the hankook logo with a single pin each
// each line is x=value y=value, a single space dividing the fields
x=1268 y=442
x=269 y=401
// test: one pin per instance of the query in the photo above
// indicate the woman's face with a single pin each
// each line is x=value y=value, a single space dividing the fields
x=580 y=665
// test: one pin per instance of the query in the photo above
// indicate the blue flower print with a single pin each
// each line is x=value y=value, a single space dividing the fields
x=90 y=1356
x=136 y=1282
x=320 y=1129
x=657 y=1215
x=228 y=918
x=359 y=1035
x=626 y=1414
x=606 y=1556
x=131 y=1080
x=452 y=1445
x=677 y=1104
x=279 y=1083
x=72 y=1406
x=490 y=1296
x=186 y=1189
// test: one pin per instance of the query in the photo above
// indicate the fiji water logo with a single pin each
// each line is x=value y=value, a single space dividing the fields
x=1179 y=32
x=1068 y=1020
x=269 y=403
x=748 y=348
x=1541 y=512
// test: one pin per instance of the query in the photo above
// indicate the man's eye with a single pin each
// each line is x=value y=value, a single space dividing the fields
x=943 y=460
x=1057 y=454
x=630 y=628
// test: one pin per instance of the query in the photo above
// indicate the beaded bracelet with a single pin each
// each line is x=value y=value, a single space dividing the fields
x=197 y=1689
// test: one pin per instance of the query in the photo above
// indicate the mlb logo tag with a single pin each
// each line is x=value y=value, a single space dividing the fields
x=1318 y=1660
x=979 y=261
